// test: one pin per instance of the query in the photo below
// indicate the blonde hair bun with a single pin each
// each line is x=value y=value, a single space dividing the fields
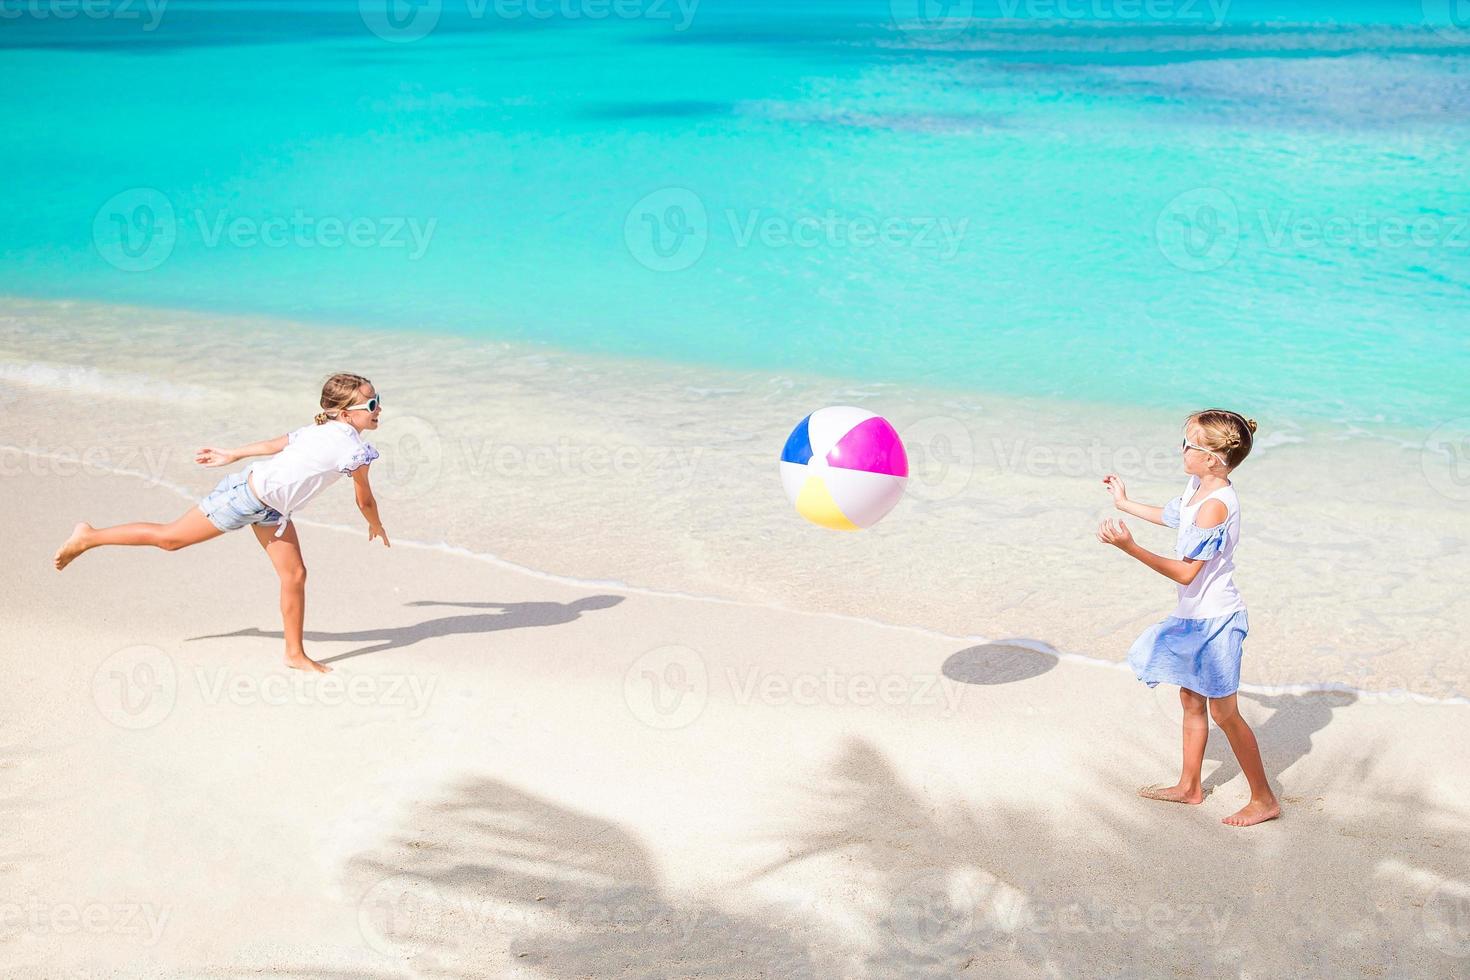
x=1228 y=434
x=339 y=391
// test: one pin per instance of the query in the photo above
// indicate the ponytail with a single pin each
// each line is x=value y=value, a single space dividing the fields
x=338 y=391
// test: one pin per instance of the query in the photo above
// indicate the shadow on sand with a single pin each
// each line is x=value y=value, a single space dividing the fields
x=997 y=663
x=1285 y=737
x=859 y=872
x=509 y=616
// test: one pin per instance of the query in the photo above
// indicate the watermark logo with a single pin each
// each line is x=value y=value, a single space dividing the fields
x=1199 y=230
x=1448 y=18
x=410 y=692
x=142 y=921
x=1447 y=918
x=940 y=912
x=136 y=230
x=400 y=21
x=936 y=19
x=136 y=687
x=410 y=457
x=400 y=914
x=149 y=12
x=668 y=230
x=836 y=688
x=941 y=453
x=1445 y=459
x=667 y=688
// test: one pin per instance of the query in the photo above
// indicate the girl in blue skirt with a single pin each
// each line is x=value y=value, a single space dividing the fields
x=1199 y=646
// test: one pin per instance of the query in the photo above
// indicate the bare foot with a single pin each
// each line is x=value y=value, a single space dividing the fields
x=1178 y=793
x=1254 y=812
x=300 y=661
x=73 y=546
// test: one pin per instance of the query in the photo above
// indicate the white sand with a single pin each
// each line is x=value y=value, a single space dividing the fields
x=563 y=785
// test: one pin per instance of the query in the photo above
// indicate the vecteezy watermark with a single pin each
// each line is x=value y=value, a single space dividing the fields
x=952 y=910
x=1449 y=18
x=136 y=687
x=933 y=19
x=947 y=19
x=402 y=912
x=1093 y=458
x=138 y=229
x=399 y=913
x=1447 y=918
x=135 y=230
x=1201 y=230
x=565 y=458
x=147 y=13
x=840 y=688
x=941 y=452
x=401 y=21
x=410 y=457
x=667 y=687
x=135 y=919
x=1445 y=459
x=667 y=230
x=1209 y=13
x=68 y=461
x=670 y=229
x=409 y=691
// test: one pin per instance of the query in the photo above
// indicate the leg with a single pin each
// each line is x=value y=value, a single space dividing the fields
x=1196 y=732
x=285 y=555
x=1262 y=805
x=192 y=528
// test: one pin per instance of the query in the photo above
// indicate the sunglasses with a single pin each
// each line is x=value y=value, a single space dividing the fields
x=372 y=404
x=1186 y=444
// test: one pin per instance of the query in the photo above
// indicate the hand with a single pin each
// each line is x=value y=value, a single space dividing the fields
x=376 y=531
x=1114 y=485
x=1115 y=533
x=209 y=456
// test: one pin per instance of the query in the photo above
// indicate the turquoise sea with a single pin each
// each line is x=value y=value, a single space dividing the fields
x=1143 y=202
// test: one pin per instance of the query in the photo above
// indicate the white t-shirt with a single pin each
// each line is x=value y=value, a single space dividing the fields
x=315 y=457
x=1213 y=592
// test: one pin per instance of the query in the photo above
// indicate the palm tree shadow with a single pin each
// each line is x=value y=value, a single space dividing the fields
x=494 y=870
x=511 y=615
x=898 y=882
x=1285 y=737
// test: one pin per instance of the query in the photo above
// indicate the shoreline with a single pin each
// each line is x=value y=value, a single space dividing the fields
x=1393 y=696
x=1288 y=425
x=514 y=454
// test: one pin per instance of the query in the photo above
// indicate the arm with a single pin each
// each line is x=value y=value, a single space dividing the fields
x=366 y=503
x=1114 y=485
x=210 y=456
x=1181 y=570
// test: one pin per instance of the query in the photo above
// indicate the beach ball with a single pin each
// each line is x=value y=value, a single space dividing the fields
x=844 y=468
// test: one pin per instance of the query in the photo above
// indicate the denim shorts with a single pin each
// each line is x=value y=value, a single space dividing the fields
x=232 y=505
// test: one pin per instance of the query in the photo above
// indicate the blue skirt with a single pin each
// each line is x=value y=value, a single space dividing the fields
x=1202 y=655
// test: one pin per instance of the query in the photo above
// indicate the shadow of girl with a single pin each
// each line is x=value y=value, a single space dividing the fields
x=1285 y=737
x=511 y=615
